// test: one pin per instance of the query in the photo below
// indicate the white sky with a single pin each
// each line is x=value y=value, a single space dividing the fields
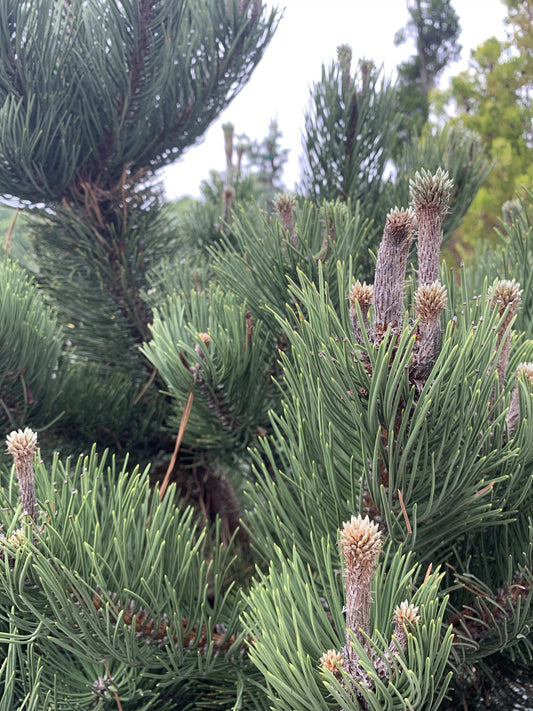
x=307 y=37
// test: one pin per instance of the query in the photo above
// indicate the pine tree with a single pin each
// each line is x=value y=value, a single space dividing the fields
x=493 y=98
x=31 y=353
x=388 y=502
x=110 y=597
x=373 y=441
x=349 y=128
x=351 y=148
x=95 y=98
x=267 y=160
x=411 y=427
x=434 y=27
x=253 y=175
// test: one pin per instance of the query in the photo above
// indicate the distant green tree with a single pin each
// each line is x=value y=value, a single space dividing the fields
x=253 y=174
x=267 y=160
x=349 y=130
x=351 y=150
x=434 y=27
x=494 y=98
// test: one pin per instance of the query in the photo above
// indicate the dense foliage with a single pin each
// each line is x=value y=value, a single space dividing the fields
x=340 y=426
x=493 y=97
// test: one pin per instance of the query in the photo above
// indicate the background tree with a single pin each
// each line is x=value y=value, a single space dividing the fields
x=350 y=149
x=434 y=27
x=349 y=128
x=267 y=160
x=253 y=175
x=493 y=97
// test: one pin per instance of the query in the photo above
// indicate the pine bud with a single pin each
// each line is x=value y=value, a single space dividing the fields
x=344 y=56
x=362 y=294
x=390 y=269
x=405 y=615
x=430 y=199
x=504 y=295
x=22 y=445
x=333 y=662
x=206 y=340
x=523 y=372
x=360 y=542
x=284 y=204
x=430 y=300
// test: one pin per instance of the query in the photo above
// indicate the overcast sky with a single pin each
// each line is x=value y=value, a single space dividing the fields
x=307 y=37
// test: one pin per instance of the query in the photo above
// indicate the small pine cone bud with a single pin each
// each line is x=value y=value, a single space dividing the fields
x=360 y=541
x=523 y=372
x=333 y=662
x=390 y=268
x=284 y=204
x=511 y=211
x=15 y=540
x=206 y=340
x=405 y=615
x=430 y=198
x=504 y=294
x=362 y=294
x=22 y=446
x=431 y=192
x=430 y=300
x=344 y=56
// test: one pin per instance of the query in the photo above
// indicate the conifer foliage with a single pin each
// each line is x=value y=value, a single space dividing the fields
x=31 y=350
x=95 y=97
x=110 y=597
x=362 y=426
x=419 y=421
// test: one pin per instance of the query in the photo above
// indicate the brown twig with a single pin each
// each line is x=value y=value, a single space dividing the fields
x=146 y=386
x=113 y=689
x=183 y=424
x=9 y=233
x=404 y=511
x=484 y=490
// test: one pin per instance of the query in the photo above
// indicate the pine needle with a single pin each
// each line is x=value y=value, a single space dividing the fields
x=146 y=386
x=183 y=424
x=9 y=233
x=404 y=511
